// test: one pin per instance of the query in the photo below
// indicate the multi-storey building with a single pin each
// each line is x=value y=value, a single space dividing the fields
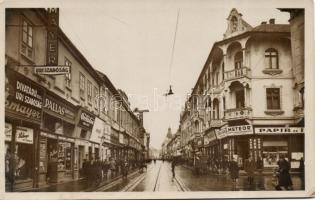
x=55 y=122
x=243 y=102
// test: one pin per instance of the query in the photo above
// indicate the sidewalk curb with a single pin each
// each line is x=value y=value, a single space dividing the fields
x=108 y=182
x=243 y=173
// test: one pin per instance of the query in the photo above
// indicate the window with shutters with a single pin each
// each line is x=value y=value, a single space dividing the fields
x=27 y=49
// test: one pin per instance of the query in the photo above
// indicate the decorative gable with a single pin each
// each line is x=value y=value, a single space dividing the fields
x=236 y=24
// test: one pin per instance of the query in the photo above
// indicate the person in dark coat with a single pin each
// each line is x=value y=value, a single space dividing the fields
x=250 y=167
x=173 y=167
x=234 y=170
x=125 y=168
x=284 y=177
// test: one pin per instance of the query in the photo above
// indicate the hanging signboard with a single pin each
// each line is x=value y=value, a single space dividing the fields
x=279 y=130
x=23 y=97
x=98 y=130
x=240 y=130
x=86 y=120
x=24 y=135
x=52 y=70
x=221 y=133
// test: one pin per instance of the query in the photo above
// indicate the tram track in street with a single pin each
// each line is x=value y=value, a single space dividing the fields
x=156 y=184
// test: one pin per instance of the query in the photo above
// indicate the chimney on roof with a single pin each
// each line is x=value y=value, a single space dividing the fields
x=263 y=22
x=272 y=21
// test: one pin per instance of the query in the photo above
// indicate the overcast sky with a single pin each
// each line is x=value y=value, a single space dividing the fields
x=131 y=42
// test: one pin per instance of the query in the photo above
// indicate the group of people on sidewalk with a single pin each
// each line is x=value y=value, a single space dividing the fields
x=96 y=171
x=281 y=179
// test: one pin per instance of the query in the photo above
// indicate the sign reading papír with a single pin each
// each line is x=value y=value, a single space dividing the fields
x=279 y=130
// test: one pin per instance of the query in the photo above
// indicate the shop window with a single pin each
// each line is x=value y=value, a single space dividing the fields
x=65 y=157
x=273 y=150
x=27 y=40
x=24 y=161
x=68 y=76
x=240 y=100
x=271 y=57
x=273 y=98
x=82 y=86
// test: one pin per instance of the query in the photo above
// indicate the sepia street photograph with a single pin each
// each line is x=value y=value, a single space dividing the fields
x=146 y=96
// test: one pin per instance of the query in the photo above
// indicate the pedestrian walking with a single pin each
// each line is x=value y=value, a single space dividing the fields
x=125 y=168
x=250 y=167
x=112 y=167
x=173 y=167
x=234 y=170
x=284 y=177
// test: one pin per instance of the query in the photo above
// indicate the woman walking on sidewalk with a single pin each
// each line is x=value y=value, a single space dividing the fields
x=284 y=175
x=250 y=167
x=234 y=172
x=173 y=167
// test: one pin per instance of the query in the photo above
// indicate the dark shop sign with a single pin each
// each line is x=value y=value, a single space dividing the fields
x=86 y=120
x=58 y=108
x=23 y=97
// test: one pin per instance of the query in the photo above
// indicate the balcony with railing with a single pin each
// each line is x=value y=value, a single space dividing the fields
x=238 y=113
x=216 y=123
x=237 y=73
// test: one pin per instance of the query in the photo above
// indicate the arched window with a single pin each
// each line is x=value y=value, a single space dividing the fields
x=272 y=58
x=215 y=110
x=234 y=24
x=238 y=60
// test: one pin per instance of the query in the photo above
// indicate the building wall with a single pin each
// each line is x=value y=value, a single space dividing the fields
x=297 y=41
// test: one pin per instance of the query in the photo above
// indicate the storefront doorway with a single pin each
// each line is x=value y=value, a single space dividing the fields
x=52 y=160
x=242 y=149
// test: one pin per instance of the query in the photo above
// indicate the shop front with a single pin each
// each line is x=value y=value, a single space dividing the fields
x=211 y=144
x=276 y=142
x=101 y=135
x=115 y=147
x=85 y=121
x=57 y=161
x=23 y=107
x=235 y=143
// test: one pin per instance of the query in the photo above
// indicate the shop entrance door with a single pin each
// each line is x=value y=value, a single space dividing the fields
x=52 y=160
x=242 y=151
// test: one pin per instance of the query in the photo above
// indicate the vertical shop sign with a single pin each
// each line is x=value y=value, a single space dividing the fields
x=52 y=36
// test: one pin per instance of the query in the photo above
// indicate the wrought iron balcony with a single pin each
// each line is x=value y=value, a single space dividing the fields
x=216 y=123
x=237 y=73
x=238 y=113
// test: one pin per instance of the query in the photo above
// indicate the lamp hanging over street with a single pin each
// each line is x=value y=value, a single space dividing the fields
x=170 y=92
